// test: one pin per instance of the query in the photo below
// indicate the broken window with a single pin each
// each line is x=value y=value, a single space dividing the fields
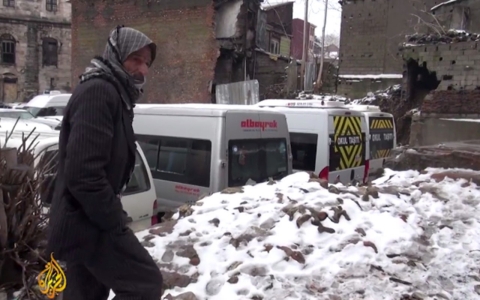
x=51 y=5
x=7 y=49
x=274 y=46
x=9 y=3
x=50 y=52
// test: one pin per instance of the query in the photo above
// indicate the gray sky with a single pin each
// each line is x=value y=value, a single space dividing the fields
x=316 y=12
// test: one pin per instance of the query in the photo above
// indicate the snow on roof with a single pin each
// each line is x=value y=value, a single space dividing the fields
x=269 y=5
x=372 y=76
x=294 y=239
x=449 y=2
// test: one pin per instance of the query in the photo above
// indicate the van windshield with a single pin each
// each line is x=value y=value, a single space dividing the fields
x=256 y=160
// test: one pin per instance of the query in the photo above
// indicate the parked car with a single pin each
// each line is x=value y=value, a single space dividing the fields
x=47 y=105
x=53 y=122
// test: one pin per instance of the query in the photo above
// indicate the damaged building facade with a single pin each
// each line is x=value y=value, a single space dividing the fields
x=371 y=33
x=443 y=76
x=34 y=48
x=201 y=43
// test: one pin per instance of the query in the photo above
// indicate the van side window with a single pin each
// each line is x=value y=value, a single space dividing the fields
x=179 y=160
x=139 y=181
x=304 y=151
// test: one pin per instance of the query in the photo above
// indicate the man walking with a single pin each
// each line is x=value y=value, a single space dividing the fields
x=87 y=227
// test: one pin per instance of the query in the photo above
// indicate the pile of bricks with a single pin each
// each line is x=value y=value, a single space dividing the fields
x=452 y=102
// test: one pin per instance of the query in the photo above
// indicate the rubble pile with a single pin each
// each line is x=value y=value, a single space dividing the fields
x=380 y=97
x=301 y=238
x=451 y=36
x=325 y=97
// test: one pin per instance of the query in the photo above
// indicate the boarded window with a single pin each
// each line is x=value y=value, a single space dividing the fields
x=274 y=46
x=51 y=5
x=50 y=52
x=9 y=3
x=7 y=49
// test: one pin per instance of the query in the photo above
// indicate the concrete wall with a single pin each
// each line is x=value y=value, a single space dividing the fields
x=357 y=88
x=29 y=22
x=457 y=65
x=182 y=29
x=432 y=129
x=371 y=33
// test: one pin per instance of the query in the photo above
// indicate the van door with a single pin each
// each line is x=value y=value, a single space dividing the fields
x=256 y=148
x=139 y=195
x=382 y=139
x=347 y=146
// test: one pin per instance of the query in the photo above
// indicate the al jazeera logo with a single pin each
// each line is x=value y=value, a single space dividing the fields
x=52 y=280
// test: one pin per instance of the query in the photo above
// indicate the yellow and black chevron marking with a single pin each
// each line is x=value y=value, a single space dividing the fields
x=351 y=153
x=381 y=153
x=386 y=123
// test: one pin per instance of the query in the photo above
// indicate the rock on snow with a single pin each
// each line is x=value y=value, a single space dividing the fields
x=409 y=236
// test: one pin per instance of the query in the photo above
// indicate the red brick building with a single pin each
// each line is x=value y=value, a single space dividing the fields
x=297 y=39
x=191 y=57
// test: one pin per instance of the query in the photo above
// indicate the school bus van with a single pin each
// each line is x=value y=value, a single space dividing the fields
x=200 y=149
x=326 y=138
x=381 y=134
x=138 y=200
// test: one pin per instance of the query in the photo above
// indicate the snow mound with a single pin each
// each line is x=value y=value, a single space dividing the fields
x=408 y=236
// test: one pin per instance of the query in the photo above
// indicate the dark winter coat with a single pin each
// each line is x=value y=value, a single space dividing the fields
x=96 y=158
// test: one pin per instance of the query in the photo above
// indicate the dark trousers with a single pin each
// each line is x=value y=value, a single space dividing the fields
x=119 y=263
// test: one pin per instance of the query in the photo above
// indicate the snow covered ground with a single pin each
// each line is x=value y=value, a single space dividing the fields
x=410 y=236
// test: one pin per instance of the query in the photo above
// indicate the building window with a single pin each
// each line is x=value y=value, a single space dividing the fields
x=51 y=5
x=304 y=151
x=50 y=52
x=9 y=3
x=274 y=46
x=7 y=50
x=180 y=160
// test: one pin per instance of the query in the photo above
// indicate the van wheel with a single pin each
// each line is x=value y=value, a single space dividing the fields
x=160 y=215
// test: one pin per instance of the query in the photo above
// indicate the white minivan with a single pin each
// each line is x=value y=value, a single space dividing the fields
x=139 y=199
x=199 y=149
x=382 y=135
x=326 y=138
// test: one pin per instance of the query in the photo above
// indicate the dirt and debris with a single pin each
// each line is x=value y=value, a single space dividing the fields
x=451 y=36
x=464 y=154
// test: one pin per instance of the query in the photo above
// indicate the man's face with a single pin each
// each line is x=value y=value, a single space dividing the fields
x=138 y=63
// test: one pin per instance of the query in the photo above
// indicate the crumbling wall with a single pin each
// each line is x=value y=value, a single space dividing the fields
x=371 y=32
x=182 y=29
x=457 y=65
x=462 y=15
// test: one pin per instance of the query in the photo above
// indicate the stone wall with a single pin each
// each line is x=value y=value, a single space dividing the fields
x=271 y=75
x=356 y=88
x=371 y=33
x=433 y=128
x=29 y=22
x=463 y=15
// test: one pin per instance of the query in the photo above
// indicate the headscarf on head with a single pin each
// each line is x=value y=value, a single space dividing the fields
x=122 y=42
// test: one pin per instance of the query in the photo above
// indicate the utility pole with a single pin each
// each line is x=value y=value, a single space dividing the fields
x=306 y=39
x=319 y=83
